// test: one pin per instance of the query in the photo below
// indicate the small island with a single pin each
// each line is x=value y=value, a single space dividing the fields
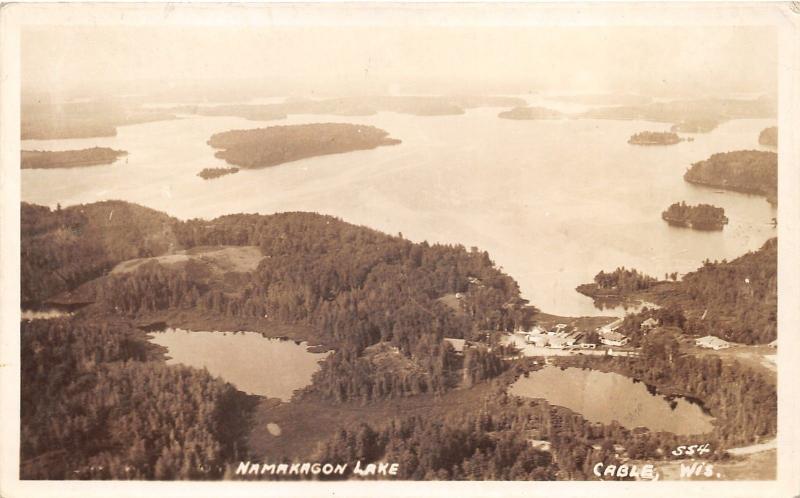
x=699 y=217
x=209 y=173
x=748 y=171
x=45 y=159
x=769 y=136
x=530 y=113
x=264 y=147
x=654 y=138
x=698 y=125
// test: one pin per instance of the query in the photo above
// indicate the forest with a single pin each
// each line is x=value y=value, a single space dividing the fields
x=699 y=217
x=481 y=444
x=749 y=171
x=61 y=249
x=495 y=441
x=374 y=298
x=734 y=300
x=44 y=159
x=97 y=402
x=263 y=147
x=617 y=283
x=354 y=287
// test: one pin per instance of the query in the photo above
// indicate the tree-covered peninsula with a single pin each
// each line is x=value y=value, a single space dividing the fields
x=734 y=300
x=612 y=288
x=263 y=147
x=749 y=171
x=699 y=217
x=45 y=159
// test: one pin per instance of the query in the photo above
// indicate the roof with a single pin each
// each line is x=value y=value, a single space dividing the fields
x=458 y=344
x=712 y=340
x=613 y=336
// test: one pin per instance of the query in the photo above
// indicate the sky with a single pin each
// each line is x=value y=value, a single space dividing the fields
x=658 y=61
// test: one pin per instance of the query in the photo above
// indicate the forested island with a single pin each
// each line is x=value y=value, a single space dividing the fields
x=654 y=138
x=209 y=173
x=531 y=113
x=696 y=125
x=749 y=171
x=393 y=388
x=45 y=159
x=264 y=147
x=769 y=136
x=699 y=217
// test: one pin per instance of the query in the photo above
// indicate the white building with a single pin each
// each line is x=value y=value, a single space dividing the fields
x=712 y=342
x=458 y=344
x=613 y=339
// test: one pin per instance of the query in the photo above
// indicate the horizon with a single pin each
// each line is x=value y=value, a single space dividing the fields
x=666 y=62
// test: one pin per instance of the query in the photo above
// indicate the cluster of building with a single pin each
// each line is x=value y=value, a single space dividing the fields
x=559 y=337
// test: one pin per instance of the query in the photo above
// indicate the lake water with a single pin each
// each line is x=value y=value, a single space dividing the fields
x=553 y=202
x=254 y=364
x=605 y=397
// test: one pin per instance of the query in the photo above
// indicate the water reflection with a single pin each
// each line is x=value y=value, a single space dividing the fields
x=605 y=397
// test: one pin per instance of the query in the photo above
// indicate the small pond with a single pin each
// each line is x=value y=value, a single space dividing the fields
x=255 y=364
x=605 y=397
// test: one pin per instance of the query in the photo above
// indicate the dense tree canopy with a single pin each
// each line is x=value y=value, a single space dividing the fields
x=751 y=171
x=699 y=217
x=97 y=403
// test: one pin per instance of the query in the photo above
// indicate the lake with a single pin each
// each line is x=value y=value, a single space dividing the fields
x=605 y=397
x=553 y=201
x=267 y=367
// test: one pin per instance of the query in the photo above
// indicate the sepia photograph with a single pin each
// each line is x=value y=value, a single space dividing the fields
x=296 y=247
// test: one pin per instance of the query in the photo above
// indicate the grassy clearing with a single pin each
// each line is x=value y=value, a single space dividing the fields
x=305 y=423
x=218 y=259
